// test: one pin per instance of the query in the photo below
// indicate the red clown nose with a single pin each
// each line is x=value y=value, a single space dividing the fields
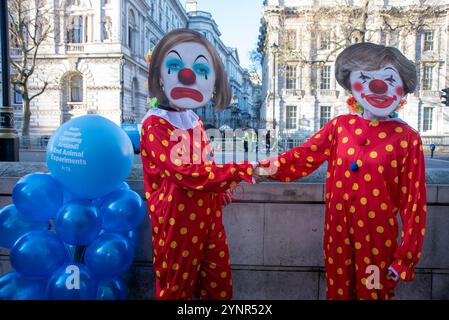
x=378 y=86
x=186 y=76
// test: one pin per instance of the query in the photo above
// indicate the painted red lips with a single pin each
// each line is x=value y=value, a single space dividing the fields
x=380 y=102
x=182 y=92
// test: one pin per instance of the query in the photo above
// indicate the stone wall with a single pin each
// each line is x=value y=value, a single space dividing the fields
x=275 y=238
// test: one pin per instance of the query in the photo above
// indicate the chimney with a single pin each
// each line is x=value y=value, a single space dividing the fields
x=191 y=6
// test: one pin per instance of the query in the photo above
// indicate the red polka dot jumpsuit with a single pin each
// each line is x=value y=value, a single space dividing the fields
x=184 y=190
x=375 y=170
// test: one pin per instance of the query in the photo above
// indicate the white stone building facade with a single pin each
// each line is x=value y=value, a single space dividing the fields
x=299 y=42
x=94 y=61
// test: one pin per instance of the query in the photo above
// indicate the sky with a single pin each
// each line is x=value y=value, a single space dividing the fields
x=238 y=22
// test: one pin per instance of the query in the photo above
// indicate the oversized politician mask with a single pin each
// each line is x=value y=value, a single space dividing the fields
x=378 y=91
x=188 y=75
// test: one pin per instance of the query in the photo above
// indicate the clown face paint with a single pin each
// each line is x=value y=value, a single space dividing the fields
x=378 y=91
x=188 y=75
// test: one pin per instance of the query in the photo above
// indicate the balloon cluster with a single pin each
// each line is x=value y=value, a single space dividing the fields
x=72 y=233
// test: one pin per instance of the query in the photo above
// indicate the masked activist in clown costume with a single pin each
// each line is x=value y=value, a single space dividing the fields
x=185 y=189
x=375 y=171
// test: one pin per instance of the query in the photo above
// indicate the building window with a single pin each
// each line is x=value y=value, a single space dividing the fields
x=132 y=32
x=75 y=30
x=427 y=78
x=325 y=78
x=291 y=117
x=291 y=77
x=325 y=41
x=394 y=39
x=325 y=115
x=17 y=95
x=76 y=88
x=428 y=40
x=428 y=117
x=134 y=95
x=107 y=28
x=290 y=40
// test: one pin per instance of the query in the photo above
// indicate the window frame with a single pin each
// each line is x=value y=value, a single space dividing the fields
x=291 y=117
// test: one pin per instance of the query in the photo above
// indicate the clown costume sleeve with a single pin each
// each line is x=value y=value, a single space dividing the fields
x=412 y=209
x=202 y=176
x=304 y=159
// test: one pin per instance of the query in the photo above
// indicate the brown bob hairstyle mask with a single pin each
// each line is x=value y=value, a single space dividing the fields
x=222 y=96
x=369 y=56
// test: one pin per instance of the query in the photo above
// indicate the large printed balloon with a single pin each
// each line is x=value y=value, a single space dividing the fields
x=14 y=286
x=112 y=289
x=78 y=222
x=109 y=256
x=90 y=156
x=72 y=282
x=13 y=225
x=38 y=196
x=37 y=254
x=122 y=210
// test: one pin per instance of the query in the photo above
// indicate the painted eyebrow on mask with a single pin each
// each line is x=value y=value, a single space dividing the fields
x=390 y=68
x=201 y=56
x=175 y=52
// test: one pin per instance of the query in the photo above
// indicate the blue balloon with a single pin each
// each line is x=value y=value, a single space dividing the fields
x=133 y=238
x=14 y=286
x=38 y=196
x=109 y=256
x=112 y=289
x=72 y=282
x=37 y=254
x=98 y=202
x=14 y=224
x=122 y=211
x=90 y=156
x=78 y=222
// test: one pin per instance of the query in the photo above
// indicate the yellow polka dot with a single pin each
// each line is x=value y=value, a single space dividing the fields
x=310 y=159
x=172 y=221
x=404 y=144
x=183 y=231
x=394 y=164
x=175 y=266
x=339 y=206
x=165 y=143
x=380 y=169
x=181 y=207
x=185 y=254
x=339 y=161
x=376 y=192
x=345 y=140
x=340 y=271
x=347 y=174
x=358 y=131
x=389 y=148
x=398 y=129
x=363 y=201
x=358 y=245
x=383 y=206
x=152 y=208
x=192 y=216
x=366 y=260
x=355 y=186
x=173 y=244
x=147 y=195
x=339 y=228
x=374 y=123
x=373 y=154
x=382 y=135
x=339 y=184
x=161 y=294
x=151 y=137
x=359 y=163
x=380 y=229
x=223 y=294
x=351 y=151
x=213 y=265
x=360 y=223
x=352 y=121
x=200 y=202
x=367 y=177
x=403 y=275
x=162 y=157
x=222 y=254
x=185 y=275
x=374 y=295
x=194 y=239
x=375 y=251
x=340 y=292
x=372 y=214
x=340 y=250
x=388 y=243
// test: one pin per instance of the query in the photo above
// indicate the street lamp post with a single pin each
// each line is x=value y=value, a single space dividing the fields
x=274 y=47
x=9 y=140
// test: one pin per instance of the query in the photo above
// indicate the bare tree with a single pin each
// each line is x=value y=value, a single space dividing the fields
x=29 y=28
